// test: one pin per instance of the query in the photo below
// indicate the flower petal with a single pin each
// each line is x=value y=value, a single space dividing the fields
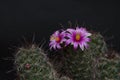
x=81 y=46
x=86 y=39
x=68 y=42
x=56 y=33
x=75 y=45
x=86 y=45
x=54 y=46
x=58 y=46
x=88 y=34
x=71 y=30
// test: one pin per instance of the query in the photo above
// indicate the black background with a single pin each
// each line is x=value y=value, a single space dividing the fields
x=20 y=18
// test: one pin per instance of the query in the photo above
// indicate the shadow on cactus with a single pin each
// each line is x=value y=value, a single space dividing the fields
x=80 y=55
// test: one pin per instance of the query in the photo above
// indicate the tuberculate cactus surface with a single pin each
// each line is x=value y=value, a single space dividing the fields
x=32 y=65
x=90 y=64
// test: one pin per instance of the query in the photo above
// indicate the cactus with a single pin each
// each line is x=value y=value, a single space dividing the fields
x=110 y=66
x=31 y=64
x=90 y=64
x=95 y=62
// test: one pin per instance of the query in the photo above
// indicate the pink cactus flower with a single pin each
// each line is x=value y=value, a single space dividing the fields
x=56 y=39
x=27 y=66
x=78 y=37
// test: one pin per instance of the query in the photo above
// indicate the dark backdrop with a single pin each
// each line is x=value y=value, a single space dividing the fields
x=20 y=18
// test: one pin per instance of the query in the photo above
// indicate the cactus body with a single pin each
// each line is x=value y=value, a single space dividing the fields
x=90 y=64
x=31 y=64
x=68 y=64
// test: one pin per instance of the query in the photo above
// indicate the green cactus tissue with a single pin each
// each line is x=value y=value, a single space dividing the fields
x=31 y=64
x=80 y=55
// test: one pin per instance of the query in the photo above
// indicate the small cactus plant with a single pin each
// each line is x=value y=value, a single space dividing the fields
x=31 y=64
x=75 y=54
x=83 y=64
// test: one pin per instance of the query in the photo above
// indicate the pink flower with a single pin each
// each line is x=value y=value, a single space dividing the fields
x=78 y=37
x=56 y=39
x=27 y=66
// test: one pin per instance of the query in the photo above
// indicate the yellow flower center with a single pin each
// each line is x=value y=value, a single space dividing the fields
x=77 y=37
x=57 y=39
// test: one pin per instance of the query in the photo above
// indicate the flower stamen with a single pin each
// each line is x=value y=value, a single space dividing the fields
x=57 y=39
x=77 y=37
